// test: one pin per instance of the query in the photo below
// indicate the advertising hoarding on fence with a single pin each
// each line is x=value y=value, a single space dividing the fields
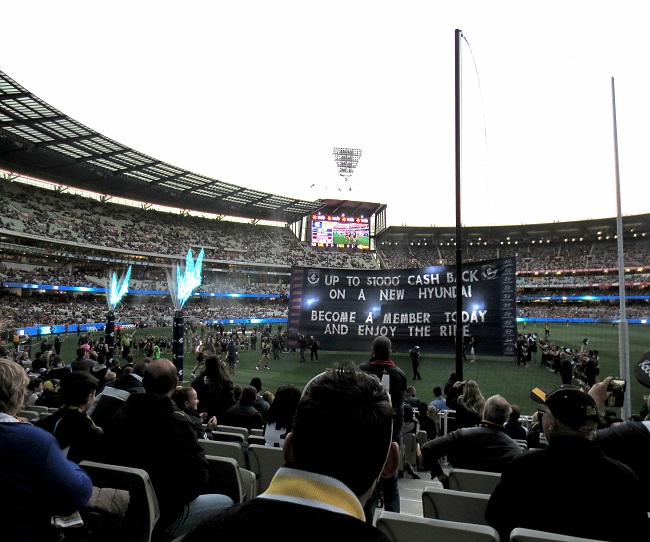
x=345 y=309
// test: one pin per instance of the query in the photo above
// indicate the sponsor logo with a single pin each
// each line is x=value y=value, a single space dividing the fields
x=313 y=277
x=507 y=287
x=506 y=306
x=489 y=272
x=506 y=296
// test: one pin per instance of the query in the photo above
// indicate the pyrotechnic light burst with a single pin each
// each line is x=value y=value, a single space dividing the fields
x=187 y=280
x=116 y=290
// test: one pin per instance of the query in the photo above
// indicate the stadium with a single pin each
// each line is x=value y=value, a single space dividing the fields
x=65 y=227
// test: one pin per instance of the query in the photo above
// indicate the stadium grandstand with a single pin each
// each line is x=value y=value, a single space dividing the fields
x=76 y=204
x=77 y=207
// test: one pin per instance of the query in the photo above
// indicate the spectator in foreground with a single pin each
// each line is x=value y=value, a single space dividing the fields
x=438 y=400
x=394 y=379
x=429 y=420
x=188 y=403
x=514 y=428
x=149 y=433
x=570 y=475
x=279 y=418
x=260 y=404
x=215 y=388
x=243 y=413
x=36 y=478
x=485 y=447
x=316 y=495
x=411 y=398
x=467 y=400
x=71 y=425
x=627 y=442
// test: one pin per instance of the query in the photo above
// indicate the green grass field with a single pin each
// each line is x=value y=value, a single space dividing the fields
x=339 y=239
x=494 y=374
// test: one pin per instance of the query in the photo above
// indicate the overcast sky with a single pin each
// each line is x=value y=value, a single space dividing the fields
x=258 y=94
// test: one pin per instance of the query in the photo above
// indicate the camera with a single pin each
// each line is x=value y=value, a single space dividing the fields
x=617 y=387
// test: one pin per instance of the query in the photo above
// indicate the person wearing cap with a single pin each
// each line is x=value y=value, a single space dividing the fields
x=571 y=476
x=331 y=467
x=415 y=362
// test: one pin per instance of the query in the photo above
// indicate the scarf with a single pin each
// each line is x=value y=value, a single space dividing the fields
x=315 y=490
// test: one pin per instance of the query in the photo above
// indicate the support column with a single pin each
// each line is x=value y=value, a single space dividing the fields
x=177 y=342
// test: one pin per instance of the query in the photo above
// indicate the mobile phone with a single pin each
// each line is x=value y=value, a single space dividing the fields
x=617 y=387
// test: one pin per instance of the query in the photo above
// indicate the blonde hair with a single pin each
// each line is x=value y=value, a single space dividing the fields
x=13 y=386
x=473 y=398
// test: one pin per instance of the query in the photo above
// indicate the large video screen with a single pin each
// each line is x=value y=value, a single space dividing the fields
x=340 y=231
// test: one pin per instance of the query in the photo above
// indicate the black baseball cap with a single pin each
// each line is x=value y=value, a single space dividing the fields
x=569 y=404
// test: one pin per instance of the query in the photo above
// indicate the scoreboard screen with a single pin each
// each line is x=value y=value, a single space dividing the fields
x=340 y=232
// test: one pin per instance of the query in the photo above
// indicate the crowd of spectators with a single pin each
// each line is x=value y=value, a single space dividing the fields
x=50 y=310
x=248 y=258
x=76 y=220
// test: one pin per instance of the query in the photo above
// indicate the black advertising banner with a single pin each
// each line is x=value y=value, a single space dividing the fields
x=345 y=309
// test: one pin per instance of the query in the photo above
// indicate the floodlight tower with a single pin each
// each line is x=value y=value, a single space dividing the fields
x=187 y=280
x=346 y=160
x=115 y=291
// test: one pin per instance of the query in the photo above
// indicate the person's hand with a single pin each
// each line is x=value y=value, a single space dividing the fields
x=599 y=391
x=212 y=423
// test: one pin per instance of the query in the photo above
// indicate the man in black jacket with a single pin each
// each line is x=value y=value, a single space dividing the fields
x=339 y=445
x=485 y=447
x=569 y=476
x=627 y=442
x=394 y=380
x=149 y=432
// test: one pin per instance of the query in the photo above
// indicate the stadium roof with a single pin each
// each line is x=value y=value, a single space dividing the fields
x=335 y=207
x=38 y=141
x=603 y=228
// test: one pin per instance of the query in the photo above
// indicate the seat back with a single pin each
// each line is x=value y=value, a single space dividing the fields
x=451 y=505
x=29 y=415
x=232 y=429
x=142 y=512
x=37 y=408
x=225 y=449
x=256 y=439
x=264 y=461
x=256 y=431
x=229 y=437
x=519 y=534
x=406 y=528
x=475 y=481
x=224 y=478
x=410 y=449
x=250 y=484
x=523 y=444
x=422 y=438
